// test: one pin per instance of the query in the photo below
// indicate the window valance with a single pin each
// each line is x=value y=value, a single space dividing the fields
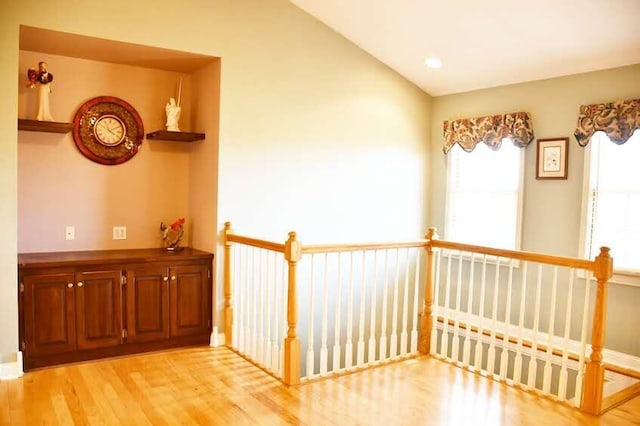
x=469 y=132
x=617 y=119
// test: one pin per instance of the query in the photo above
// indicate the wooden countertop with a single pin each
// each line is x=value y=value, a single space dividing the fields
x=89 y=257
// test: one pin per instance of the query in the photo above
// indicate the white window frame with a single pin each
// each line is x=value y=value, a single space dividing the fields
x=620 y=276
x=519 y=209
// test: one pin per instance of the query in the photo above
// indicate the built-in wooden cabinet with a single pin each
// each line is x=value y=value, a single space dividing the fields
x=49 y=314
x=147 y=303
x=91 y=304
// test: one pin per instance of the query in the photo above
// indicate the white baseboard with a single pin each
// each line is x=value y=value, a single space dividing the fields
x=609 y=356
x=12 y=370
x=217 y=339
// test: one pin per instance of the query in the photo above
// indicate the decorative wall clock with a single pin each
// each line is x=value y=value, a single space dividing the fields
x=108 y=130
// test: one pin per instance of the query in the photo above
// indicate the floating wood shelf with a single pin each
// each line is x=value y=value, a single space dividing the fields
x=44 y=126
x=175 y=136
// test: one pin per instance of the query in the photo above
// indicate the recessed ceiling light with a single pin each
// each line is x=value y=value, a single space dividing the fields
x=433 y=62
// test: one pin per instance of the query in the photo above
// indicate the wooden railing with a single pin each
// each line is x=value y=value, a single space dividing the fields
x=265 y=282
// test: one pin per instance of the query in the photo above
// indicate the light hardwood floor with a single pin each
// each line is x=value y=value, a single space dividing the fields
x=215 y=386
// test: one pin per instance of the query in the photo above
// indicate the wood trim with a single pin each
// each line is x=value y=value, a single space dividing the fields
x=520 y=255
x=618 y=398
x=255 y=242
x=120 y=350
x=326 y=248
x=500 y=336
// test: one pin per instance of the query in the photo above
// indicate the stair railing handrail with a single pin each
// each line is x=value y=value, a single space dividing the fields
x=292 y=249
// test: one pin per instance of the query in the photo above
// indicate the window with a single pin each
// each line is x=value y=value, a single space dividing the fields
x=612 y=179
x=484 y=195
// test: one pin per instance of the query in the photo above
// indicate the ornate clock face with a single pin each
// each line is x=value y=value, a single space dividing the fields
x=107 y=130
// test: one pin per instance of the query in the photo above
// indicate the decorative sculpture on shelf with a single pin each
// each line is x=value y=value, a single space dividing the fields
x=173 y=115
x=173 y=110
x=42 y=79
x=171 y=235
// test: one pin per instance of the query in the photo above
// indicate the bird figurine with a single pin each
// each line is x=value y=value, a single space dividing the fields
x=172 y=234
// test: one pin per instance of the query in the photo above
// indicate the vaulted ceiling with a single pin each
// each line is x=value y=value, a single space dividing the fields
x=486 y=43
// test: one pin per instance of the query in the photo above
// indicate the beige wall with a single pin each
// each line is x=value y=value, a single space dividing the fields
x=58 y=186
x=315 y=135
x=552 y=208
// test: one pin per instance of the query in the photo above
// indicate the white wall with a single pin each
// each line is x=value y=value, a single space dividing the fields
x=315 y=135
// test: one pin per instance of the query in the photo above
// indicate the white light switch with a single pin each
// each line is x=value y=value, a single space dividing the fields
x=70 y=233
x=119 y=232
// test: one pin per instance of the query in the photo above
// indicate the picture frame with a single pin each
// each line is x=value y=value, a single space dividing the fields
x=552 y=158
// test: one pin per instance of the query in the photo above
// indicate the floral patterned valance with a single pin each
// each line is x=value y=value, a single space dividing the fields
x=469 y=132
x=617 y=119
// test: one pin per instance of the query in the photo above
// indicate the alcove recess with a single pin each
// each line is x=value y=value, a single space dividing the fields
x=77 y=46
x=163 y=181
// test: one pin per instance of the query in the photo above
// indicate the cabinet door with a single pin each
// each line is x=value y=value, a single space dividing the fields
x=49 y=322
x=189 y=300
x=147 y=304
x=98 y=309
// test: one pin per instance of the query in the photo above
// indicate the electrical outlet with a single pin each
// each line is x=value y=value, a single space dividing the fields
x=70 y=233
x=119 y=232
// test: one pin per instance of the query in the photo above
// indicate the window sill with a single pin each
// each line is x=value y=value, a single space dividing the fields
x=622 y=277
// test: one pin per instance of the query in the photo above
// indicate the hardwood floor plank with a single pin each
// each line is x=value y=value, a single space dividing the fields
x=208 y=386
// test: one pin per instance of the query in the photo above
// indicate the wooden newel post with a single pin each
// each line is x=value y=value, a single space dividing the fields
x=594 y=376
x=292 y=253
x=426 y=320
x=228 y=309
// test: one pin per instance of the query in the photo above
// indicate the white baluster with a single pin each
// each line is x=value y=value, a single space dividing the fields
x=455 y=346
x=235 y=288
x=246 y=298
x=236 y=296
x=546 y=382
x=348 y=348
x=405 y=307
x=491 y=354
x=284 y=265
x=444 y=342
x=363 y=291
x=517 y=364
x=583 y=339
x=383 y=323
x=504 y=356
x=325 y=319
x=336 y=331
x=254 y=298
x=533 y=362
x=393 y=347
x=268 y=299
x=246 y=295
x=479 y=355
x=436 y=303
x=277 y=306
x=261 y=303
x=310 y=352
x=564 y=375
x=414 y=322
x=371 y=351
x=466 y=345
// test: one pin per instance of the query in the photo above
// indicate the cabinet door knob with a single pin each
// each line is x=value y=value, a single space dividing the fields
x=69 y=285
x=165 y=278
x=173 y=277
x=80 y=284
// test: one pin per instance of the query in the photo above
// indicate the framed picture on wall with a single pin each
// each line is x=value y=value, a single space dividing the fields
x=552 y=159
